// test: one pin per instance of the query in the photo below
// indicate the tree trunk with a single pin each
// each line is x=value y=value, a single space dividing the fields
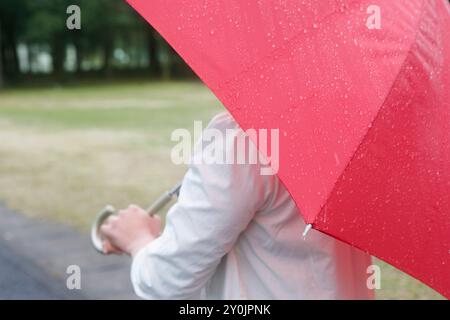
x=107 y=53
x=153 y=51
x=173 y=65
x=10 y=64
x=14 y=54
x=2 y=83
x=58 y=54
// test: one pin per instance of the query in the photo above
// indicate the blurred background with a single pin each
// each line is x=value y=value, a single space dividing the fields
x=112 y=42
x=86 y=116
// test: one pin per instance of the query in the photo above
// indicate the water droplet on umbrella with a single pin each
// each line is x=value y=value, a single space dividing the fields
x=336 y=157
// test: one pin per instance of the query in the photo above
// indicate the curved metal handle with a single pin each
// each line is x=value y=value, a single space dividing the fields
x=109 y=210
x=96 y=239
x=163 y=200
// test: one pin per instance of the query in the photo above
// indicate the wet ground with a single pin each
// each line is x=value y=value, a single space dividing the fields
x=35 y=254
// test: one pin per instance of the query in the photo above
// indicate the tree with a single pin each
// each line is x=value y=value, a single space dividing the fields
x=47 y=25
x=103 y=20
x=105 y=26
x=154 y=64
x=1 y=57
x=12 y=23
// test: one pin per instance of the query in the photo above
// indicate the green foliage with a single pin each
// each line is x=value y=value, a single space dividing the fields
x=106 y=25
x=47 y=19
x=14 y=15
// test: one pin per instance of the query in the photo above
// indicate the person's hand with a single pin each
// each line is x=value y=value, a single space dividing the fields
x=129 y=231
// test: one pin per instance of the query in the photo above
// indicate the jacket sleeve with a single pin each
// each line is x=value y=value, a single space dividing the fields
x=216 y=203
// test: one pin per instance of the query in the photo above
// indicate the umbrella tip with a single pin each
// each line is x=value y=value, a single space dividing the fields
x=307 y=228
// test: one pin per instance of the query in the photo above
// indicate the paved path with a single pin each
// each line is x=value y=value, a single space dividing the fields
x=35 y=254
x=21 y=279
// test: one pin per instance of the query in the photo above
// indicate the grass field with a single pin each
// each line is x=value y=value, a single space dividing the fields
x=66 y=152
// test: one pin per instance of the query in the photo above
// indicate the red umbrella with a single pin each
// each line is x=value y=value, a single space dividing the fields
x=360 y=91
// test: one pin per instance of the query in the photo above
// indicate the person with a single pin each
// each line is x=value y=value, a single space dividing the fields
x=234 y=234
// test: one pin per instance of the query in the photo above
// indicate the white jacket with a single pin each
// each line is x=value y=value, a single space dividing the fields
x=237 y=234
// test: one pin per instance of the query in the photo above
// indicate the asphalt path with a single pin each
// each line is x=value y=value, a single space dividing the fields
x=20 y=278
x=35 y=256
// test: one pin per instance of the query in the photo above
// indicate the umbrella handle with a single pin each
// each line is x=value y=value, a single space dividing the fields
x=109 y=210
x=161 y=202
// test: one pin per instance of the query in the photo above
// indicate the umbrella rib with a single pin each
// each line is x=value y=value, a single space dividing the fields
x=413 y=42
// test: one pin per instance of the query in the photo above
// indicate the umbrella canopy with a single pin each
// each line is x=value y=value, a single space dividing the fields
x=360 y=91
